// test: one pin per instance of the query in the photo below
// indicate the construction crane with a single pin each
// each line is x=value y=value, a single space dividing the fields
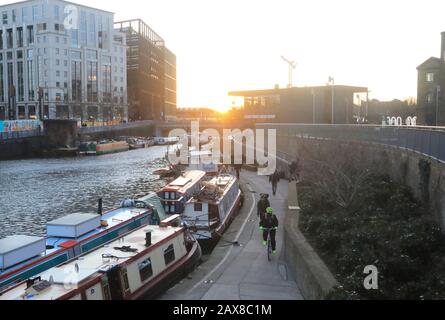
x=292 y=66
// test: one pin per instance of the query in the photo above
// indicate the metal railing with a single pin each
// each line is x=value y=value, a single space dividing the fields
x=429 y=141
x=123 y=126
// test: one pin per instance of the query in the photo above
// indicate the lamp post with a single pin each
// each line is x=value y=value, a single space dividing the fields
x=437 y=104
x=313 y=105
x=332 y=82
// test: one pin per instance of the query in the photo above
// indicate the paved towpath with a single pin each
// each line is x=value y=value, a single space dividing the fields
x=241 y=271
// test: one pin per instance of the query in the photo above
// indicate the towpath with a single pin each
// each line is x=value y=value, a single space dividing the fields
x=241 y=271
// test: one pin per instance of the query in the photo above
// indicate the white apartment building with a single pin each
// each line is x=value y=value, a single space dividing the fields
x=61 y=60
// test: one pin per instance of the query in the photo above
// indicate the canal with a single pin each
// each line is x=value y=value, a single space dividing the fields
x=35 y=191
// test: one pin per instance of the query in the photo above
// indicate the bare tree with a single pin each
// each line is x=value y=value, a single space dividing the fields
x=337 y=170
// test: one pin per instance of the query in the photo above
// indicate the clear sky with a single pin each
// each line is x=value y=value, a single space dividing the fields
x=224 y=45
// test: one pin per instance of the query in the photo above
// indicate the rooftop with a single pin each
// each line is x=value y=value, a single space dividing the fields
x=67 y=276
x=67 y=2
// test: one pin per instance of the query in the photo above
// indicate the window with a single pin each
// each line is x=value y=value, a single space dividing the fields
x=20 y=81
x=1 y=40
x=35 y=13
x=19 y=54
x=429 y=97
x=57 y=62
x=30 y=77
x=76 y=80
x=430 y=77
x=30 y=34
x=169 y=254
x=198 y=207
x=9 y=39
x=145 y=269
x=57 y=50
x=41 y=27
x=24 y=14
x=19 y=37
x=5 y=17
x=56 y=13
x=14 y=15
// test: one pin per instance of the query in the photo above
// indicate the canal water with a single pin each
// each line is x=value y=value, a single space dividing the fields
x=35 y=191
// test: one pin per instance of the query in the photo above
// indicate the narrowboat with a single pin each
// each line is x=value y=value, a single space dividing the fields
x=139 y=265
x=174 y=195
x=22 y=257
x=210 y=211
x=161 y=141
x=103 y=147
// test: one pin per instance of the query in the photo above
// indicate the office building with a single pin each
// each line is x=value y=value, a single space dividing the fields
x=61 y=60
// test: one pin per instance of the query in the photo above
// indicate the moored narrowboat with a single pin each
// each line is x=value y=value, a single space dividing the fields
x=68 y=237
x=140 y=264
x=174 y=195
x=210 y=211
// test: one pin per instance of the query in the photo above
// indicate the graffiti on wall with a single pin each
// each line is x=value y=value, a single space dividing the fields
x=19 y=125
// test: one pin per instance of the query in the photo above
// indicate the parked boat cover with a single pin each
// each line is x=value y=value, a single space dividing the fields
x=154 y=201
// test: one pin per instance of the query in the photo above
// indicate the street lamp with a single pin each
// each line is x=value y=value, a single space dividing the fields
x=313 y=105
x=437 y=104
x=332 y=82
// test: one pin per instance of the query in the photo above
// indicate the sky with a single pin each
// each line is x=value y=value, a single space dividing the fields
x=229 y=45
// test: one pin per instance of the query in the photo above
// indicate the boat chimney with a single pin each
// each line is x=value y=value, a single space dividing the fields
x=148 y=238
x=99 y=208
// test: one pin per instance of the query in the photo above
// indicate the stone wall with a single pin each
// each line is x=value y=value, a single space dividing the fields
x=310 y=272
x=402 y=165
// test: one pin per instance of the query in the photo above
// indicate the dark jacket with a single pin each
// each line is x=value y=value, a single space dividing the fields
x=275 y=177
x=263 y=204
x=269 y=221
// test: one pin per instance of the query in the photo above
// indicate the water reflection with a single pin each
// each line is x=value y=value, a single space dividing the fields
x=35 y=191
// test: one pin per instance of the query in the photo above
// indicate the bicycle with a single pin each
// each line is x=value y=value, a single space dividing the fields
x=269 y=242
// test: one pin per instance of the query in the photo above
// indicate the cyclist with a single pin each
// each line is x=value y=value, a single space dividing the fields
x=270 y=224
x=262 y=205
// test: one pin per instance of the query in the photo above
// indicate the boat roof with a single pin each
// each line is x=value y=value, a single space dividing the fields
x=113 y=218
x=73 y=219
x=188 y=179
x=214 y=189
x=15 y=242
x=70 y=275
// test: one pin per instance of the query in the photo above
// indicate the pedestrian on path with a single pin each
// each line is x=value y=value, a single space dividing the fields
x=274 y=179
x=263 y=204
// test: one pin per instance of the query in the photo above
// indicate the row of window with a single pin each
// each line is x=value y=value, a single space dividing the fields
x=146 y=268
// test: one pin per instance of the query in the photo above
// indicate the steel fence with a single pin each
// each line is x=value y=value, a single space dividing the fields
x=429 y=141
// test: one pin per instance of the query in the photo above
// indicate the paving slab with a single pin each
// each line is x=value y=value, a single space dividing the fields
x=241 y=271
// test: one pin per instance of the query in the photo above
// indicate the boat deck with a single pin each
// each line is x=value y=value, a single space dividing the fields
x=113 y=218
x=71 y=274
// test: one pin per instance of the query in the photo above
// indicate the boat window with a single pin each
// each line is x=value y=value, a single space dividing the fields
x=173 y=195
x=213 y=212
x=198 y=207
x=145 y=269
x=166 y=208
x=172 y=209
x=166 y=195
x=169 y=255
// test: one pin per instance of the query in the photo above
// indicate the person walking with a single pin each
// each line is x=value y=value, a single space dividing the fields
x=262 y=205
x=274 y=179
